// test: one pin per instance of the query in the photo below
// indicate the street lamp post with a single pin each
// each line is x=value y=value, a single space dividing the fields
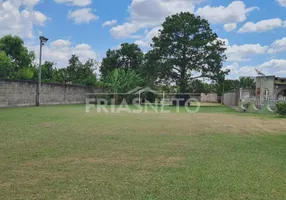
x=43 y=40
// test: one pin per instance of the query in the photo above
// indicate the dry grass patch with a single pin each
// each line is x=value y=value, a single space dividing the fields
x=203 y=123
x=61 y=152
x=47 y=125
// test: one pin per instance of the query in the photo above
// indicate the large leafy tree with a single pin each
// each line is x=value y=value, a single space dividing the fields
x=81 y=73
x=223 y=86
x=14 y=47
x=6 y=69
x=247 y=82
x=48 y=71
x=198 y=86
x=187 y=46
x=60 y=75
x=149 y=70
x=129 y=56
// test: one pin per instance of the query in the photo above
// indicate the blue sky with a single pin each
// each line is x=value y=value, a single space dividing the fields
x=254 y=30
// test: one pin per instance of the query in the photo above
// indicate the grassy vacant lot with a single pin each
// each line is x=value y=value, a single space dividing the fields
x=61 y=152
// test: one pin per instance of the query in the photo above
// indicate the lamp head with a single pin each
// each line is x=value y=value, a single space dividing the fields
x=43 y=39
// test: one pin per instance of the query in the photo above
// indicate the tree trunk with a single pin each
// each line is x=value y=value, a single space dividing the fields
x=183 y=81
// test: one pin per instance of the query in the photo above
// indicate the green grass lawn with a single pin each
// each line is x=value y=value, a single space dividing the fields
x=61 y=152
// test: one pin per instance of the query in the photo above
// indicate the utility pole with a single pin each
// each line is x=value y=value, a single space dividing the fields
x=43 y=40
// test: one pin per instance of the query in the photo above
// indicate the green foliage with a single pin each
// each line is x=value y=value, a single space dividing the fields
x=6 y=68
x=281 y=108
x=27 y=73
x=198 y=86
x=16 y=62
x=187 y=45
x=14 y=47
x=81 y=73
x=129 y=56
x=109 y=63
x=223 y=86
x=48 y=71
x=247 y=82
x=60 y=75
x=121 y=81
x=150 y=71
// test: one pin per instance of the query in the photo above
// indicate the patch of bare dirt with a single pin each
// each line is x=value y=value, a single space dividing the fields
x=178 y=124
x=47 y=125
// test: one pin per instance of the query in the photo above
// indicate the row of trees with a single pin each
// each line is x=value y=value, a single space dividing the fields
x=16 y=62
x=185 y=52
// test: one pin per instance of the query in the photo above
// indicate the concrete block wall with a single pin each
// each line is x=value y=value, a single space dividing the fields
x=231 y=99
x=23 y=93
x=211 y=98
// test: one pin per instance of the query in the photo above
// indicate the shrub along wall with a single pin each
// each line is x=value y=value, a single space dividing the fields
x=23 y=93
x=281 y=108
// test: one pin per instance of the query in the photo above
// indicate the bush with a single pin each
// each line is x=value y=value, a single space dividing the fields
x=281 y=108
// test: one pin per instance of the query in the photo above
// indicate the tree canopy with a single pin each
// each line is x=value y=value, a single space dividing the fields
x=81 y=73
x=14 y=47
x=128 y=56
x=16 y=62
x=120 y=80
x=15 y=59
x=5 y=65
x=185 y=52
x=187 y=49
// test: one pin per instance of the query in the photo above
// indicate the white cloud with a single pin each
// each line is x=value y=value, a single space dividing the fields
x=278 y=46
x=74 y=2
x=154 y=12
x=274 y=66
x=142 y=43
x=236 y=71
x=150 y=13
x=83 y=15
x=238 y=53
x=124 y=30
x=147 y=40
x=229 y=27
x=29 y=3
x=60 y=51
x=281 y=73
x=282 y=3
x=84 y=51
x=261 y=26
x=36 y=17
x=274 y=63
x=235 y=12
x=19 y=18
x=109 y=23
x=153 y=33
x=60 y=43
